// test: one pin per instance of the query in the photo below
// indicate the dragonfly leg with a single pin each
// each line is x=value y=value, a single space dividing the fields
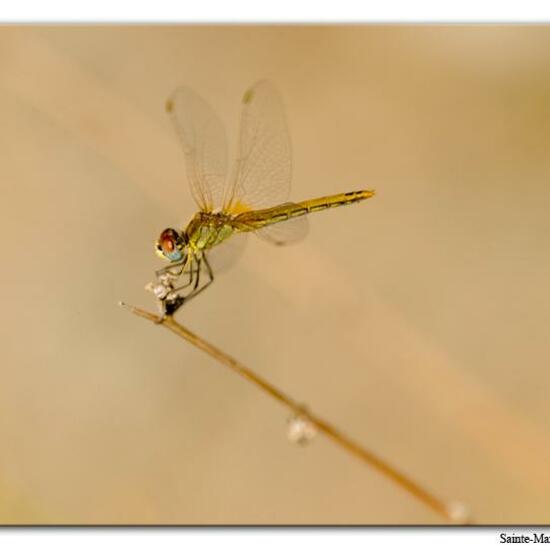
x=171 y=306
x=197 y=279
x=210 y=273
x=173 y=301
x=192 y=273
x=196 y=290
x=170 y=267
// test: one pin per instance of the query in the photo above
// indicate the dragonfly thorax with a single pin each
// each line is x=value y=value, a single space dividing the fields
x=208 y=229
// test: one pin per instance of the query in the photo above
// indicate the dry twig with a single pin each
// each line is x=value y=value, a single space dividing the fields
x=451 y=512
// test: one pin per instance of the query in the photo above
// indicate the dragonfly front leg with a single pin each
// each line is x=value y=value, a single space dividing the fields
x=174 y=300
x=170 y=300
x=173 y=306
x=169 y=268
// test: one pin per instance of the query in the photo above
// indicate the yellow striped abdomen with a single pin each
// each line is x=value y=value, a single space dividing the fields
x=255 y=219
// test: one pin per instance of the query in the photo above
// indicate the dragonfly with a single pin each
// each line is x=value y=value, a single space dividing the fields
x=253 y=197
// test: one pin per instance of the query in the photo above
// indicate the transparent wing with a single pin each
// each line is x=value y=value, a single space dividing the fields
x=288 y=232
x=204 y=145
x=263 y=169
x=226 y=254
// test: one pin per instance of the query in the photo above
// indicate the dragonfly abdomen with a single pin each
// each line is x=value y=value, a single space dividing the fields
x=341 y=199
x=255 y=219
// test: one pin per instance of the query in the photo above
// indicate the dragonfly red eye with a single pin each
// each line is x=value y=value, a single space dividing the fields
x=168 y=239
x=170 y=245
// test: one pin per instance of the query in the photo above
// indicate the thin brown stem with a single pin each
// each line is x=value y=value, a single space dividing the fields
x=451 y=512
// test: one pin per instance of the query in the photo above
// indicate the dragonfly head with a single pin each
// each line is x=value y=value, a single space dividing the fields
x=171 y=245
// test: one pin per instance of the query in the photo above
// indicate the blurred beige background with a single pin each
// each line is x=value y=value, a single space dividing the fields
x=417 y=321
